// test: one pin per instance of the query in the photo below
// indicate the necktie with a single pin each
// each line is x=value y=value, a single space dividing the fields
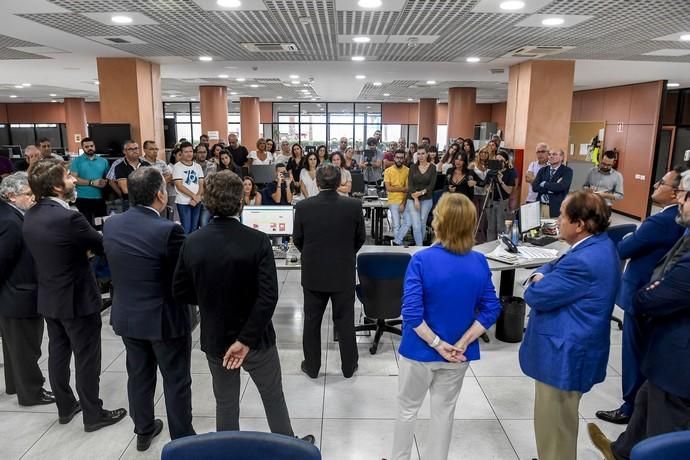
x=545 y=196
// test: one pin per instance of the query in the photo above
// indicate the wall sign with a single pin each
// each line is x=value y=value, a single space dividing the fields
x=619 y=127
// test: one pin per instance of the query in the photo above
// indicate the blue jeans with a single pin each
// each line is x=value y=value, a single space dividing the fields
x=189 y=217
x=416 y=219
x=205 y=216
x=396 y=219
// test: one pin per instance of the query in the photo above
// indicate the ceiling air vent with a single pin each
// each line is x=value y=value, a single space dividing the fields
x=270 y=47
x=538 y=51
x=117 y=40
x=497 y=71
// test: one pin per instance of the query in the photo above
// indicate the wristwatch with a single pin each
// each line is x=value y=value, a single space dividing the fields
x=436 y=342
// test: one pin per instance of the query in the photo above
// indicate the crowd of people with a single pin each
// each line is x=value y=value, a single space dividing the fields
x=163 y=267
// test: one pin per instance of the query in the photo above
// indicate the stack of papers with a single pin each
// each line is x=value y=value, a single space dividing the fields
x=524 y=253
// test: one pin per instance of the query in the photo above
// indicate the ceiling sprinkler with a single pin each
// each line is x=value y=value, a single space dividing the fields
x=412 y=42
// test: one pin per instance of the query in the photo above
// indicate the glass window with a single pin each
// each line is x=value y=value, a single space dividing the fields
x=340 y=113
x=441 y=136
x=360 y=140
x=184 y=130
x=234 y=128
x=338 y=131
x=285 y=113
x=289 y=131
x=313 y=113
x=313 y=134
x=390 y=133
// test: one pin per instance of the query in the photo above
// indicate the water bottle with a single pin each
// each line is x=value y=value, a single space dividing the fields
x=515 y=233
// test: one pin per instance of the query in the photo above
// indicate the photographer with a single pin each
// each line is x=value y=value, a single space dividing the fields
x=279 y=191
x=501 y=178
x=372 y=162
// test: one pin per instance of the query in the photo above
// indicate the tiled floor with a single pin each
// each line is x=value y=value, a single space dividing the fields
x=351 y=419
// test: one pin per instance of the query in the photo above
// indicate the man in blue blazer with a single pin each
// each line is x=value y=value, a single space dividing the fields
x=552 y=184
x=644 y=248
x=663 y=307
x=142 y=250
x=566 y=344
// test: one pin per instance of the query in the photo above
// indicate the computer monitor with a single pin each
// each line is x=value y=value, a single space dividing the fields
x=272 y=220
x=530 y=216
x=263 y=174
x=357 y=183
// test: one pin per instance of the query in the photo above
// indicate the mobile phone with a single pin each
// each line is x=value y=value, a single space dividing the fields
x=510 y=247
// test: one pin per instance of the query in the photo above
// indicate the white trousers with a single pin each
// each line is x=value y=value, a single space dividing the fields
x=443 y=381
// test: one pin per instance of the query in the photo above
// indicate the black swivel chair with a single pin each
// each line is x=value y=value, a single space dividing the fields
x=380 y=289
x=617 y=233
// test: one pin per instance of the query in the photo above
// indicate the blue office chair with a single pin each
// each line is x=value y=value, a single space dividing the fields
x=616 y=234
x=380 y=289
x=669 y=446
x=239 y=445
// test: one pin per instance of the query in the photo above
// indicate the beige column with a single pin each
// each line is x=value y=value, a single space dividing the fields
x=461 y=105
x=75 y=122
x=130 y=92
x=214 y=112
x=427 y=120
x=540 y=96
x=250 y=119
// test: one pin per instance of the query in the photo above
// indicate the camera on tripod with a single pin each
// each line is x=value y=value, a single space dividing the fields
x=493 y=167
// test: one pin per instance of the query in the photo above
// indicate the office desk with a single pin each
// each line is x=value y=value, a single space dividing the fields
x=377 y=207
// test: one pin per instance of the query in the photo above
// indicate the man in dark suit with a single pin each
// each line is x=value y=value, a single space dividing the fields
x=154 y=328
x=20 y=324
x=662 y=404
x=228 y=270
x=552 y=184
x=329 y=230
x=654 y=237
x=68 y=296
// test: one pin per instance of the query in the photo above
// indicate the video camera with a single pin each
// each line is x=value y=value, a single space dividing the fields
x=368 y=156
x=493 y=167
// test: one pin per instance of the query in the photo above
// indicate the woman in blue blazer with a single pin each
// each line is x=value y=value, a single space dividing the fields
x=566 y=345
x=440 y=327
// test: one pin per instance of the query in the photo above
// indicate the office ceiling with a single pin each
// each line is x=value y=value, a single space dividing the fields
x=411 y=41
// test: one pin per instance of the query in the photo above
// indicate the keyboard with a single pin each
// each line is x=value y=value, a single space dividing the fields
x=542 y=240
x=279 y=253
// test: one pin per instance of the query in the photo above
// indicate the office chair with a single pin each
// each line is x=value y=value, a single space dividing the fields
x=239 y=445
x=380 y=289
x=669 y=446
x=617 y=233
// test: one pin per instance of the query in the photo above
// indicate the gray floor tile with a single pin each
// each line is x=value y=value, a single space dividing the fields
x=20 y=430
x=304 y=398
x=361 y=397
x=358 y=439
x=471 y=440
x=607 y=395
x=510 y=397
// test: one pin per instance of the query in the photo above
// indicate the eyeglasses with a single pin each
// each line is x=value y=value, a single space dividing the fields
x=661 y=182
x=542 y=151
x=132 y=149
x=154 y=149
x=683 y=193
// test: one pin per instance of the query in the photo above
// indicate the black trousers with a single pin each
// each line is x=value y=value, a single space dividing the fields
x=656 y=412
x=21 y=350
x=174 y=358
x=91 y=208
x=81 y=336
x=315 y=303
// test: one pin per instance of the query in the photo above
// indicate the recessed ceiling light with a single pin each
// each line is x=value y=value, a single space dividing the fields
x=386 y=94
x=431 y=82
x=12 y=96
x=18 y=86
x=53 y=100
x=233 y=93
x=304 y=90
x=322 y=109
x=358 y=58
x=173 y=95
x=279 y=97
x=26 y=84
x=672 y=85
x=360 y=77
x=553 y=21
x=369 y=3
x=512 y=5
x=223 y=76
x=240 y=79
x=361 y=39
x=229 y=3
x=52 y=95
x=295 y=82
x=205 y=58
x=253 y=86
x=472 y=59
x=377 y=83
x=685 y=38
x=120 y=19
x=410 y=99
x=96 y=82
x=294 y=77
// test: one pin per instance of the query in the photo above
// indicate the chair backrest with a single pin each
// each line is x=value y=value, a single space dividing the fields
x=381 y=277
x=669 y=446
x=239 y=445
x=357 y=182
x=617 y=232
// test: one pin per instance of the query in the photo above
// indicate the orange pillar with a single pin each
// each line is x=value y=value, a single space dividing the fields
x=75 y=122
x=130 y=92
x=461 y=105
x=540 y=97
x=214 y=112
x=250 y=119
x=427 y=120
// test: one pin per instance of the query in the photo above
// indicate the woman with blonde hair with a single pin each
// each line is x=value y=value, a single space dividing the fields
x=440 y=328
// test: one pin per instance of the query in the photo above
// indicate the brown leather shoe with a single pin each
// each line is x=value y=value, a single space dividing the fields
x=600 y=441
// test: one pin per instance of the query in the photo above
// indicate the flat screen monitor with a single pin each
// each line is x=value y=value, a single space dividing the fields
x=109 y=137
x=263 y=174
x=530 y=216
x=272 y=220
x=357 y=182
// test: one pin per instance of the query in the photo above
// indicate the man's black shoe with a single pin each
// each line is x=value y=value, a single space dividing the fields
x=309 y=438
x=613 y=416
x=63 y=420
x=144 y=440
x=303 y=367
x=347 y=376
x=108 y=417
x=45 y=397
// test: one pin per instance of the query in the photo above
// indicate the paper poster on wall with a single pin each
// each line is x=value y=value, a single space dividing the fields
x=214 y=135
x=583 y=150
x=601 y=134
x=572 y=149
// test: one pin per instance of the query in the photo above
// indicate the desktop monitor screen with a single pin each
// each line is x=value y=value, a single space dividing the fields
x=272 y=220
x=530 y=216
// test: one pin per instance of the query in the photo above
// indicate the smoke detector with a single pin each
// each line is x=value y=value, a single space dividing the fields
x=412 y=42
